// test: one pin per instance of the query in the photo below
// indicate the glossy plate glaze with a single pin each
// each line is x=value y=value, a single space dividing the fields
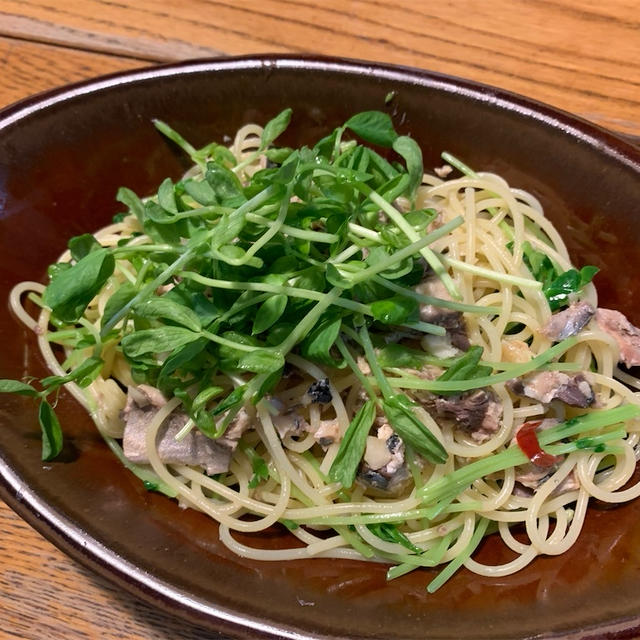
x=62 y=157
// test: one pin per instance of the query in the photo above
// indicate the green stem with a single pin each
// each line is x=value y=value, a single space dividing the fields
x=485 y=381
x=438 y=302
x=198 y=212
x=294 y=292
x=399 y=220
x=433 y=556
x=236 y=307
x=346 y=354
x=356 y=542
x=460 y=559
x=336 y=145
x=523 y=283
x=458 y=164
x=172 y=134
x=345 y=255
x=308 y=321
x=426 y=327
x=146 y=248
x=171 y=270
x=228 y=343
x=447 y=487
x=406 y=252
x=364 y=232
x=368 y=518
x=383 y=384
x=294 y=232
x=273 y=229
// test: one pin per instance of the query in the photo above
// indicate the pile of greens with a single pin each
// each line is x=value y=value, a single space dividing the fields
x=290 y=259
x=309 y=250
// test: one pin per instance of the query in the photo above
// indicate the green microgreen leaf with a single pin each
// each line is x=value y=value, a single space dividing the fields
x=261 y=361
x=132 y=201
x=466 y=367
x=167 y=196
x=52 y=438
x=408 y=148
x=345 y=464
x=71 y=290
x=403 y=357
x=275 y=127
x=180 y=357
x=166 y=309
x=325 y=146
x=400 y=412
x=15 y=386
x=81 y=246
x=559 y=291
x=286 y=173
x=230 y=354
x=204 y=396
x=395 y=310
x=396 y=269
x=118 y=300
x=374 y=127
x=269 y=312
x=338 y=277
x=557 y=286
x=321 y=338
x=201 y=191
x=232 y=401
x=227 y=229
x=539 y=263
x=158 y=340
x=278 y=155
x=390 y=532
x=225 y=185
x=267 y=383
x=258 y=466
x=218 y=153
x=83 y=375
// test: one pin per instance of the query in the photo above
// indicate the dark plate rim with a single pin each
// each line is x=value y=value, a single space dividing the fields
x=55 y=525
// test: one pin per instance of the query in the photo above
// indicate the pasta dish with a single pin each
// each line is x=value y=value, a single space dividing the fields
x=392 y=363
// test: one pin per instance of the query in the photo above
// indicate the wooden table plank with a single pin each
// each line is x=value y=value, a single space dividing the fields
x=573 y=54
x=580 y=55
x=26 y=67
x=138 y=45
x=45 y=594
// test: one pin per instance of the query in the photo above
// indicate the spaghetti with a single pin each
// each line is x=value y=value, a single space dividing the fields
x=362 y=348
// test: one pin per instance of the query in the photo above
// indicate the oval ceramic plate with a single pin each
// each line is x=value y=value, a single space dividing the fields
x=62 y=157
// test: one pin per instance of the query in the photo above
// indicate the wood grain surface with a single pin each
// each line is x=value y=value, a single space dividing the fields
x=580 y=55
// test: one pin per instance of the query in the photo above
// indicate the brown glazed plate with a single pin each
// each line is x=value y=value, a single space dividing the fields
x=64 y=154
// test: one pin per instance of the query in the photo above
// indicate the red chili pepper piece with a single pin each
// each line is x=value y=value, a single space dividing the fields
x=528 y=441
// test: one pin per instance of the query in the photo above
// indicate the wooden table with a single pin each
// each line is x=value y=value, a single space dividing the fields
x=579 y=55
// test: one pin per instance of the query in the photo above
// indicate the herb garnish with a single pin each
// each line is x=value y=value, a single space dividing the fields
x=237 y=274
